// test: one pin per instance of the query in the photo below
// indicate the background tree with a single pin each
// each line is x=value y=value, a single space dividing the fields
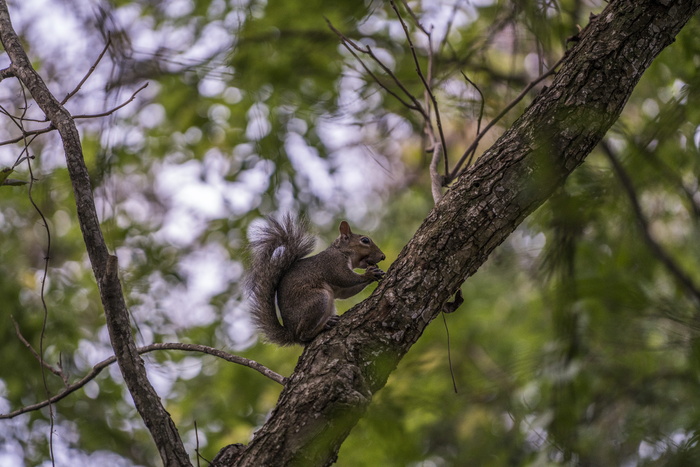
x=543 y=370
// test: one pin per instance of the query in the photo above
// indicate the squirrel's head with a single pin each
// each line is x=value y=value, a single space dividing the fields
x=361 y=250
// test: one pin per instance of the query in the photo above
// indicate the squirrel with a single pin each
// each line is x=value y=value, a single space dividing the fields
x=305 y=287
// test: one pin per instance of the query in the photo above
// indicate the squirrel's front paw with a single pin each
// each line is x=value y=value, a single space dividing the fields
x=374 y=273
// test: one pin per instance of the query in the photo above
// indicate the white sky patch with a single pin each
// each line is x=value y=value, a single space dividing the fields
x=185 y=309
x=215 y=38
x=192 y=200
x=258 y=123
x=358 y=169
x=91 y=352
x=178 y=8
x=55 y=18
x=212 y=85
x=197 y=192
x=151 y=116
x=307 y=161
x=208 y=272
x=161 y=379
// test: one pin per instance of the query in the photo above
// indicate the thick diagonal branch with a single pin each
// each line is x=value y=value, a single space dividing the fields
x=340 y=371
x=104 y=266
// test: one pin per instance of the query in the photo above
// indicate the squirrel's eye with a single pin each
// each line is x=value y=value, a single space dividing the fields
x=365 y=240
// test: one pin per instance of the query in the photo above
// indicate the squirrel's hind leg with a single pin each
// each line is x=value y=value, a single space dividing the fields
x=313 y=322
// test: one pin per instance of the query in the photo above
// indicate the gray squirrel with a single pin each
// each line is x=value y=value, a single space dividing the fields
x=305 y=288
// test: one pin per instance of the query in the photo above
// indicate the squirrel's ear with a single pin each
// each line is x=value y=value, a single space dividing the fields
x=344 y=228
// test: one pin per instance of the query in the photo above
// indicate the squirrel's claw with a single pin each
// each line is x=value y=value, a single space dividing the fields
x=375 y=273
x=332 y=321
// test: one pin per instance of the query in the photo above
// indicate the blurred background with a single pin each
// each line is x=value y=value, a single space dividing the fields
x=577 y=343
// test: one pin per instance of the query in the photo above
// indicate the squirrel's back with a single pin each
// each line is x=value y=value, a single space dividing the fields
x=275 y=247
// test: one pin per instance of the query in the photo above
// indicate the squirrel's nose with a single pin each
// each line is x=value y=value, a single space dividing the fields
x=383 y=258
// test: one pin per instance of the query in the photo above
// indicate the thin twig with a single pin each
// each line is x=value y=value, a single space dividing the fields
x=448 y=28
x=51 y=127
x=352 y=46
x=657 y=250
x=142 y=350
x=111 y=111
x=449 y=354
x=196 y=448
x=36 y=355
x=24 y=153
x=414 y=16
x=481 y=106
x=469 y=153
x=42 y=293
x=90 y=71
x=419 y=71
x=28 y=133
x=19 y=122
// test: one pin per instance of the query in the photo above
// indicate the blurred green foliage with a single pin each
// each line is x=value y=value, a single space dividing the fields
x=576 y=345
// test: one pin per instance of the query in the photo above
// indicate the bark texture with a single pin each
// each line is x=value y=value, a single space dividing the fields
x=339 y=372
x=104 y=266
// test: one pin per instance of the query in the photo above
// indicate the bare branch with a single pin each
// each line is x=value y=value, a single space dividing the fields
x=481 y=106
x=352 y=47
x=413 y=16
x=43 y=362
x=8 y=72
x=111 y=111
x=448 y=28
x=469 y=153
x=263 y=370
x=45 y=273
x=87 y=75
x=419 y=71
x=51 y=127
x=40 y=131
x=142 y=350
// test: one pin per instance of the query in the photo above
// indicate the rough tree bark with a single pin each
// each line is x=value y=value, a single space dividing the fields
x=339 y=372
x=104 y=265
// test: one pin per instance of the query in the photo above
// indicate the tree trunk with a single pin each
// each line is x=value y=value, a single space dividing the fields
x=339 y=372
x=104 y=266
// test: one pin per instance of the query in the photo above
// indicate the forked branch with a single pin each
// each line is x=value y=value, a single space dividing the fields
x=51 y=127
x=468 y=155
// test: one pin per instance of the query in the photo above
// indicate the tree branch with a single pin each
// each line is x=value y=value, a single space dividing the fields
x=114 y=109
x=28 y=133
x=57 y=371
x=352 y=47
x=468 y=155
x=51 y=127
x=146 y=400
x=339 y=371
x=97 y=369
x=90 y=71
x=7 y=73
x=427 y=83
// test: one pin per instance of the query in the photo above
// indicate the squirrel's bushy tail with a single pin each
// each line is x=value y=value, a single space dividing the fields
x=274 y=248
